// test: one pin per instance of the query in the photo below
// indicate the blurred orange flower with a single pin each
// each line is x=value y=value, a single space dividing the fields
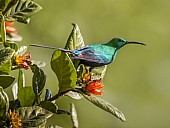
x=9 y=27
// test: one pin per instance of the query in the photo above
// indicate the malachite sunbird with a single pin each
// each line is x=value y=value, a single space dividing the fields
x=96 y=55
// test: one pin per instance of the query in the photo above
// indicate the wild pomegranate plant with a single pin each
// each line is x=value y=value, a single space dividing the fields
x=28 y=108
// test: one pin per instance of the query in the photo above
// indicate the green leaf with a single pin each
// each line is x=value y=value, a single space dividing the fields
x=50 y=106
x=21 y=50
x=22 y=11
x=6 y=68
x=5 y=60
x=5 y=55
x=4 y=103
x=105 y=106
x=74 y=95
x=33 y=116
x=15 y=90
x=21 y=80
x=98 y=72
x=26 y=96
x=60 y=111
x=81 y=70
x=38 y=80
x=75 y=39
x=74 y=115
x=64 y=70
x=6 y=80
x=38 y=63
x=53 y=126
x=3 y=4
x=3 y=30
x=12 y=45
x=42 y=125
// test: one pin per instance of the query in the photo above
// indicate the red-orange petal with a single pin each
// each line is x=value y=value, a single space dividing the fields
x=96 y=92
x=95 y=84
x=10 y=30
x=7 y=23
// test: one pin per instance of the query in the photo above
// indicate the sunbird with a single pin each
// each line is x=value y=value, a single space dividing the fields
x=96 y=55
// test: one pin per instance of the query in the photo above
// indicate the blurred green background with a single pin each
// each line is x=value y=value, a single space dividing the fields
x=138 y=82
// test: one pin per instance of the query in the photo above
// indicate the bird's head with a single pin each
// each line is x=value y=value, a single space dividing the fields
x=119 y=42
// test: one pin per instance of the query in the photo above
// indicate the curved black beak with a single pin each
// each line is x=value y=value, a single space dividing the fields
x=129 y=42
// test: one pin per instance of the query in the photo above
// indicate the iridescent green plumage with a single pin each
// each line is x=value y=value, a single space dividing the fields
x=96 y=55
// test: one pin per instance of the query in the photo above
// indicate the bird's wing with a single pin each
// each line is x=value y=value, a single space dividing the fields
x=92 y=56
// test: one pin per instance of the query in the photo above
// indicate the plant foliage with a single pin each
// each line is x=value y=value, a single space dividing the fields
x=65 y=71
x=29 y=107
x=22 y=11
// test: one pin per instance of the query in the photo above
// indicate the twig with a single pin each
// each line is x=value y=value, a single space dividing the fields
x=58 y=95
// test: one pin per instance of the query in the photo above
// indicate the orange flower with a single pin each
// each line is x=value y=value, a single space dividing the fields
x=9 y=28
x=94 y=86
x=24 y=61
x=86 y=77
x=15 y=120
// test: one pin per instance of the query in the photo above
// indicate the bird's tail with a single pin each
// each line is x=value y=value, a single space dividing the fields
x=50 y=47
